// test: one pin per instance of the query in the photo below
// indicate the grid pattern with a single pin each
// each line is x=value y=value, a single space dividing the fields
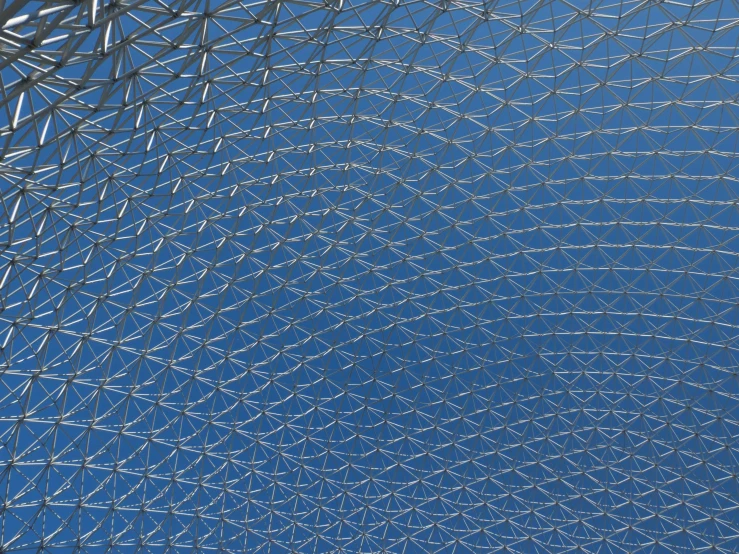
x=369 y=276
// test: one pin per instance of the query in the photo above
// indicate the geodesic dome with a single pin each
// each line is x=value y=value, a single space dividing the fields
x=369 y=276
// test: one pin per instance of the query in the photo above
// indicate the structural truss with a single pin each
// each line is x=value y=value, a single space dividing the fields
x=369 y=276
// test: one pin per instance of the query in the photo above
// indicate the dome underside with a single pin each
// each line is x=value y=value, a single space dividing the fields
x=369 y=276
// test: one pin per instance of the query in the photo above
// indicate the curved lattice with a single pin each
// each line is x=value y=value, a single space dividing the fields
x=369 y=276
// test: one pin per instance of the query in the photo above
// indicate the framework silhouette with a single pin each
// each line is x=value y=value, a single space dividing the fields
x=369 y=276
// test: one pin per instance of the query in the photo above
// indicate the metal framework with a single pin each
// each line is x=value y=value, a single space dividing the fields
x=369 y=276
